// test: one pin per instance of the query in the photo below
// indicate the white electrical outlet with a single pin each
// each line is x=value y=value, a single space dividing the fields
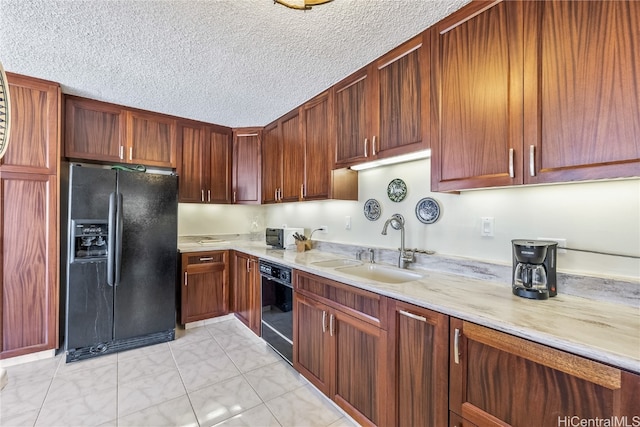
x=324 y=229
x=347 y=222
x=562 y=243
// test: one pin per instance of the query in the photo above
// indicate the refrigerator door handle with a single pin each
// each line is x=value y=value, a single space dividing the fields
x=118 y=243
x=111 y=238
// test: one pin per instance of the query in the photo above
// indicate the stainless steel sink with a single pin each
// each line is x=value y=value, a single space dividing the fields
x=332 y=263
x=380 y=273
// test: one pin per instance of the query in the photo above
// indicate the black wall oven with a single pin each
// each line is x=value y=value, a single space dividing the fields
x=277 y=308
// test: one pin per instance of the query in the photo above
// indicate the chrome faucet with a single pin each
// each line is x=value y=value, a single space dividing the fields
x=406 y=257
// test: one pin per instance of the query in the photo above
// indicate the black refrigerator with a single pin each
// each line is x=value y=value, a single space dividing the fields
x=119 y=261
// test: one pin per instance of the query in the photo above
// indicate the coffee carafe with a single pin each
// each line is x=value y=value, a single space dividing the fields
x=534 y=268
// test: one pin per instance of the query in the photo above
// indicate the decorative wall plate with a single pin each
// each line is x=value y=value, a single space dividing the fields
x=5 y=121
x=397 y=190
x=372 y=210
x=428 y=210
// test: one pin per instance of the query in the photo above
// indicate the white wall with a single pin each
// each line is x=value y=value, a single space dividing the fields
x=601 y=216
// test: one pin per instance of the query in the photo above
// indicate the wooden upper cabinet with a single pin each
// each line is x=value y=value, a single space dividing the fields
x=246 y=177
x=582 y=85
x=271 y=163
x=35 y=116
x=316 y=129
x=499 y=380
x=292 y=158
x=151 y=139
x=94 y=130
x=383 y=110
x=112 y=133
x=204 y=163
x=403 y=98
x=477 y=84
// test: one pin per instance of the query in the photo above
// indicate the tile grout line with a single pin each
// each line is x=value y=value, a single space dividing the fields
x=173 y=356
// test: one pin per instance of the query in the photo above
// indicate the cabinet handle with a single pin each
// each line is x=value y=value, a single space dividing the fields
x=413 y=316
x=511 y=174
x=302 y=191
x=279 y=198
x=331 y=331
x=366 y=146
x=208 y=195
x=373 y=145
x=121 y=153
x=202 y=195
x=324 y=321
x=248 y=266
x=130 y=153
x=185 y=278
x=275 y=195
x=234 y=197
x=208 y=258
x=456 y=346
x=532 y=163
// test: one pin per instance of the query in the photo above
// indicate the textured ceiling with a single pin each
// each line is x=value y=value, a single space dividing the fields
x=230 y=62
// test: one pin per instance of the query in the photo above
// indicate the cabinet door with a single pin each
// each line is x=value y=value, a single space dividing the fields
x=271 y=164
x=204 y=286
x=29 y=263
x=352 y=118
x=582 y=90
x=312 y=342
x=219 y=179
x=360 y=368
x=420 y=342
x=191 y=167
x=316 y=125
x=246 y=166
x=246 y=290
x=493 y=374
x=478 y=130
x=151 y=139
x=34 y=126
x=403 y=92
x=292 y=158
x=94 y=130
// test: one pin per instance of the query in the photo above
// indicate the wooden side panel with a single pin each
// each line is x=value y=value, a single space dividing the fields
x=584 y=90
x=190 y=169
x=151 y=139
x=94 y=130
x=292 y=158
x=219 y=190
x=29 y=274
x=34 y=126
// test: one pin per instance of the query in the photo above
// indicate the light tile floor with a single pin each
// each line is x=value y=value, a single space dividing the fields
x=219 y=374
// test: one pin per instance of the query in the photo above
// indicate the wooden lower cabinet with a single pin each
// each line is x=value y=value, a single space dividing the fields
x=246 y=290
x=500 y=380
x=418 y=366
x=337 y=350
x=205 y=285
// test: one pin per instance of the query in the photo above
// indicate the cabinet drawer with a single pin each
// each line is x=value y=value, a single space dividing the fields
x=203 y=258
x=364 y=305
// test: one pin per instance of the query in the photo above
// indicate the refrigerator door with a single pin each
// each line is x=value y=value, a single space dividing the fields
x=145 y=295
x=89 y=299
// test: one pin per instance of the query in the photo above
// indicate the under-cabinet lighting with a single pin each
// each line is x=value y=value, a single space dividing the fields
x=424 y=154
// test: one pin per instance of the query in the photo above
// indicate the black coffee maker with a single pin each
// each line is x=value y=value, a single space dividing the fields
x=534 y=268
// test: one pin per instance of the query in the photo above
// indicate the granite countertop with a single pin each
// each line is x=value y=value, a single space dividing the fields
x=599 y=330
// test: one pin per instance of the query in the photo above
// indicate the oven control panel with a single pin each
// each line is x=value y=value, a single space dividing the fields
x=275 y=271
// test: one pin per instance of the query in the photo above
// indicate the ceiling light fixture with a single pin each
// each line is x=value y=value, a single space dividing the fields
x=301 y=4
x=417 y=155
